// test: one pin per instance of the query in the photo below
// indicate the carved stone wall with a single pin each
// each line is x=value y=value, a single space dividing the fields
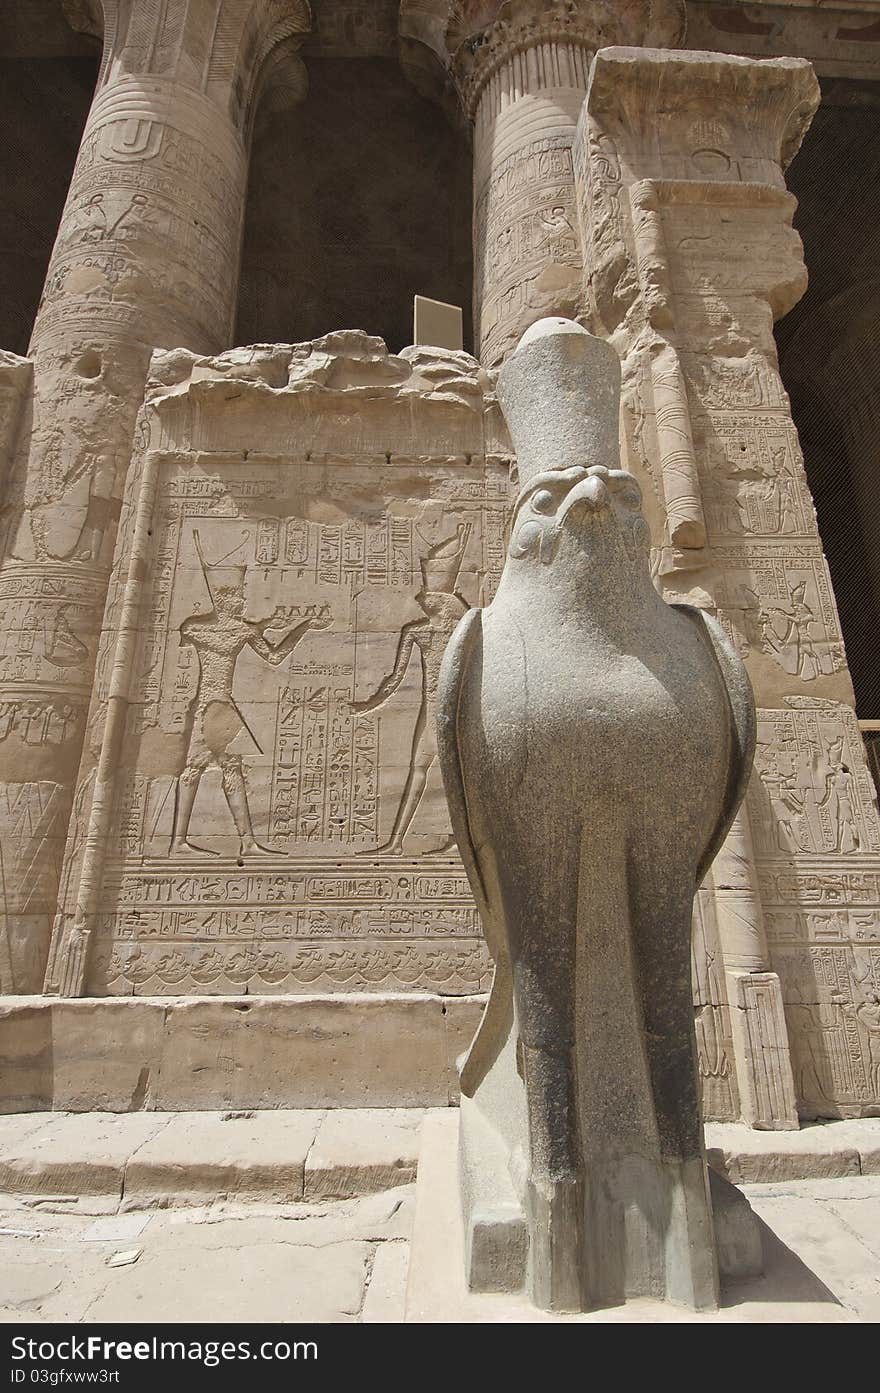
x=146 y=255
x=231 y=775
x=304 y=527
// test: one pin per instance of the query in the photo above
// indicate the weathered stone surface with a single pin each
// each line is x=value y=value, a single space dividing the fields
x=745 y=1156
x=303 y=529
x=114 y=1071
x=146 y=255
x=286 y=1263
x=262 y=1282
x=370 y=1051
x=26 y=1055
x=461 y=1017
x=737 y=1231
x=689 y=256
x=595 y=744
x=274 y=1155
x=120 y=1054
x=841 y=1255
x=522 y=71
x=87 y=1159
x=240 y=1155
x=385 y=1300
x=336 y=474
x=361 y=1151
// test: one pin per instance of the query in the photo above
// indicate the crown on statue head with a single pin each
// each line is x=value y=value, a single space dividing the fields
x=560 y=394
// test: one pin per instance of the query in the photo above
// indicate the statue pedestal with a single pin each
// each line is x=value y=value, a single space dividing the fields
x=437 y=1290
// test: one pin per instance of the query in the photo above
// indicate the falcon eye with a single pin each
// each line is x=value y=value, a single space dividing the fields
x=543 y=501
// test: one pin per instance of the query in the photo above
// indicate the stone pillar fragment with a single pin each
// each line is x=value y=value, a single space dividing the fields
x=757 y=1017
x=690 y=257
x=522 y=69
x=146 y=256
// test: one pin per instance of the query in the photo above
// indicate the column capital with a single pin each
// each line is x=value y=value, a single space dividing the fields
x=217 y=49
x=484 y=34
x=709 y=116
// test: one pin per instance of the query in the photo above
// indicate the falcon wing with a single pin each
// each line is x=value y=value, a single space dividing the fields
x=741 y=703
x=475 y=853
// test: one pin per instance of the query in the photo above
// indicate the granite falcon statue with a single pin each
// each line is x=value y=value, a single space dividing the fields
x=595 y=744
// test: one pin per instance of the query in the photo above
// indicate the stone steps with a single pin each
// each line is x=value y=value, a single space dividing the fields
x=150 y=1159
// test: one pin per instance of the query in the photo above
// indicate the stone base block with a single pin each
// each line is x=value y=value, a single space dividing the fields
x=437 y=1292
x=182 y=1054
x=737 y=1231
x=496 y=1234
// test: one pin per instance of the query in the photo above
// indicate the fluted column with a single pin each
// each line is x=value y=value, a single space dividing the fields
x=522 y=69
x=147 y=256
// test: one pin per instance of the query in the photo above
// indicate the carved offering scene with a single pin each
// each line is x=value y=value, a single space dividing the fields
x=278 y=818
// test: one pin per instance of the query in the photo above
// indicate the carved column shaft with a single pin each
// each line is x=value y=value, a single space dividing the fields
x=146 y=256
x=522 y=79
x=526 y=247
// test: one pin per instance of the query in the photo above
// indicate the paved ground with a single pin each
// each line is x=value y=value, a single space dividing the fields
x=337 y=1261
x=177 y=1217
x=833 y=1227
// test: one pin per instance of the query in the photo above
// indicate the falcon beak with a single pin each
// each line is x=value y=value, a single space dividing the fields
x=591 y=494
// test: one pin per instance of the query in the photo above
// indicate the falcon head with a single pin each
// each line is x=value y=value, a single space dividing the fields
x=592 y=511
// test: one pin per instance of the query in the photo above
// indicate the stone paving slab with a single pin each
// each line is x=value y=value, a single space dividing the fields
x=835 y=1230
x=347 y=1260
x=385 y=1300
x=76 y=1153
x=225 y=1261
x=260 y=1153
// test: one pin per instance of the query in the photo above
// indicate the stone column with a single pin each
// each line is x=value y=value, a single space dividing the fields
x=146 y=256
x=691 y=256
x=521 y=68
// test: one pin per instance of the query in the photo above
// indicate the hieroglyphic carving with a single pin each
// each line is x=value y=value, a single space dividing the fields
x=442 y=609
x=817 y=792
x=146 y=254
x=274 y=816
x=527 y=255
x=16 y=374
x=774 y=598
x=817 y=835
x=522 y=71
x=702 y=243
x=32 y=826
